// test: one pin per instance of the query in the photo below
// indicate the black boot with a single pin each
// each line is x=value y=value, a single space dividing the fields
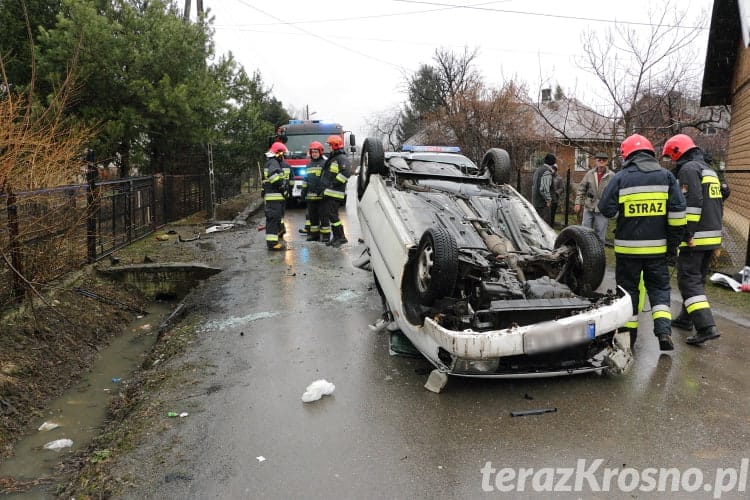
x=338 y=236
x=704 y=334
x=665 y=342
x=313 y=236
x=633 y=337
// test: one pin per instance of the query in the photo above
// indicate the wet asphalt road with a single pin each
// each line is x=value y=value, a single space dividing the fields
x=283 y=320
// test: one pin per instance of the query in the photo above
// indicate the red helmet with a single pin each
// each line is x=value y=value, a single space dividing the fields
x=315 y=145
x=635 y=143
x=678 y=145
x=335 y=141
x=278 y=148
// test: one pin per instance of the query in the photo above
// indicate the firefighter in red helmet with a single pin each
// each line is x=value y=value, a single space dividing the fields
x=650 y=212
x=334 y=176
x=313 y=189
x=273 y=187
x=703 y=195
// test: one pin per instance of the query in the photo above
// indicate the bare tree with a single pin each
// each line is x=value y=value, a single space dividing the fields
x=640 y=73
x=630 y=63
x=385 y=126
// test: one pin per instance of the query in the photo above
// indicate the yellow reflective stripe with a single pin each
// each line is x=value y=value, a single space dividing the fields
x=677 y=222
x=632 y=325
x=272 y=237
x=332 y=193
x=334 y=168
x=336 y=224
x=648 y=196
x=341 y=179
x=275 y=178
x=641 y=293
x=274 y=197
x=325 y=230
x=696 y=306
x=693 y=217
x=661 y=249
x=707 y=241
x=661 y=314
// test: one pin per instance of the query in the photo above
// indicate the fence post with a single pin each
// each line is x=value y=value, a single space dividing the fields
x=567 y=197
x=15 y=248
x=92 y=205
x=129 y=211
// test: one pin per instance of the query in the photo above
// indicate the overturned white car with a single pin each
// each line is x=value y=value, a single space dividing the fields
x=475 y=279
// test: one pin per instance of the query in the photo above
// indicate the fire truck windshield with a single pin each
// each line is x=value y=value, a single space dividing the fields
x=298 y=144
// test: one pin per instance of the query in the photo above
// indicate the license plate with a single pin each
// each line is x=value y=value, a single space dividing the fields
x=553 y=337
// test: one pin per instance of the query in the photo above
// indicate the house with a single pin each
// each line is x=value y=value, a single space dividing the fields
x=574 y=132
x=726 y=81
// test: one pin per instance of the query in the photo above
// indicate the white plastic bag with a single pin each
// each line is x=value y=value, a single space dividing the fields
x=317 y=389
x=58 y=444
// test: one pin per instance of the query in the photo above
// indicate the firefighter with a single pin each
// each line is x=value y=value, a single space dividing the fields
x=650 y=212
x=273 y=188
x=703 y=195
x=334 y=177
x=314 y=190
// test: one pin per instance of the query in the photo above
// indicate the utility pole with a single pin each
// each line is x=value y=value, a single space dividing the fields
x=199 y=6
x=307 y=111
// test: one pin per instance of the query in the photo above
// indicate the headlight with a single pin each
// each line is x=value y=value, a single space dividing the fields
x=476 y=365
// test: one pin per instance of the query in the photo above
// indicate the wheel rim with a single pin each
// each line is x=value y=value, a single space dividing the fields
x=424 y=269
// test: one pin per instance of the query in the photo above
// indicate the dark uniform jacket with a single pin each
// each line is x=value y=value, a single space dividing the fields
x=702 y=190
x=314 y=181
x=335 y=174
x=274 y=179
x=649 y=205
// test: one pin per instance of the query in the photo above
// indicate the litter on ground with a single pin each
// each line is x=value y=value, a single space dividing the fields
x=58 y=444
x=317 y=389
x=48 y=426
x=219 y=227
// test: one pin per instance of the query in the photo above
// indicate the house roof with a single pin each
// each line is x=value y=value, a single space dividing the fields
x=569 y=118
x=723 y=41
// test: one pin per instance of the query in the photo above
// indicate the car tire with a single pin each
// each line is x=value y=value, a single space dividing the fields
x=497 y=161
x=435 y=267
x=371 y=162
x=585 y=272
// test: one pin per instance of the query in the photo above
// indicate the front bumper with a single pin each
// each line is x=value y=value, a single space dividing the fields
x=475 y=354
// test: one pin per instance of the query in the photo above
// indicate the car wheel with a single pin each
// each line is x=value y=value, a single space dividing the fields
x=584 y=272
x=371 y=162
x=497 y=161
x=435 y=266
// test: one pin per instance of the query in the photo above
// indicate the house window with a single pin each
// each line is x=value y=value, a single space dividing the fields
x=582 y=160
x=709 y=130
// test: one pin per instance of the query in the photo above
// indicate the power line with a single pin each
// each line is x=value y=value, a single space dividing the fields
x=558 y=16
x=359 y=18
x=315 y=35
x=403 y=42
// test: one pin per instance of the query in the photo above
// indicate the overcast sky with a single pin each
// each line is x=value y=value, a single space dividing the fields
x=346 y=60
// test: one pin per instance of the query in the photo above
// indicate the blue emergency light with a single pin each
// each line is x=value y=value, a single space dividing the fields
x=431 y=149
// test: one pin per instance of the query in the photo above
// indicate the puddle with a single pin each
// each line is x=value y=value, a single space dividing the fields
x=81 y=410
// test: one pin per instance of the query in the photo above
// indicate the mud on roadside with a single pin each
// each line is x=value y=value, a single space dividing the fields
x=47 y=343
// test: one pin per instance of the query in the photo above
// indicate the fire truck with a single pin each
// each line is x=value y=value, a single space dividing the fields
x=297 y=136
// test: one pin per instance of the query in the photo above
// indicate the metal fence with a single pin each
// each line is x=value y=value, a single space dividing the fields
x=47 y=233
x=736 y=234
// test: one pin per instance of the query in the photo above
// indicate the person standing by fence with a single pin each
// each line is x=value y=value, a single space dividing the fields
x=590 y=193
x=541 y=187
x=557 y=189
